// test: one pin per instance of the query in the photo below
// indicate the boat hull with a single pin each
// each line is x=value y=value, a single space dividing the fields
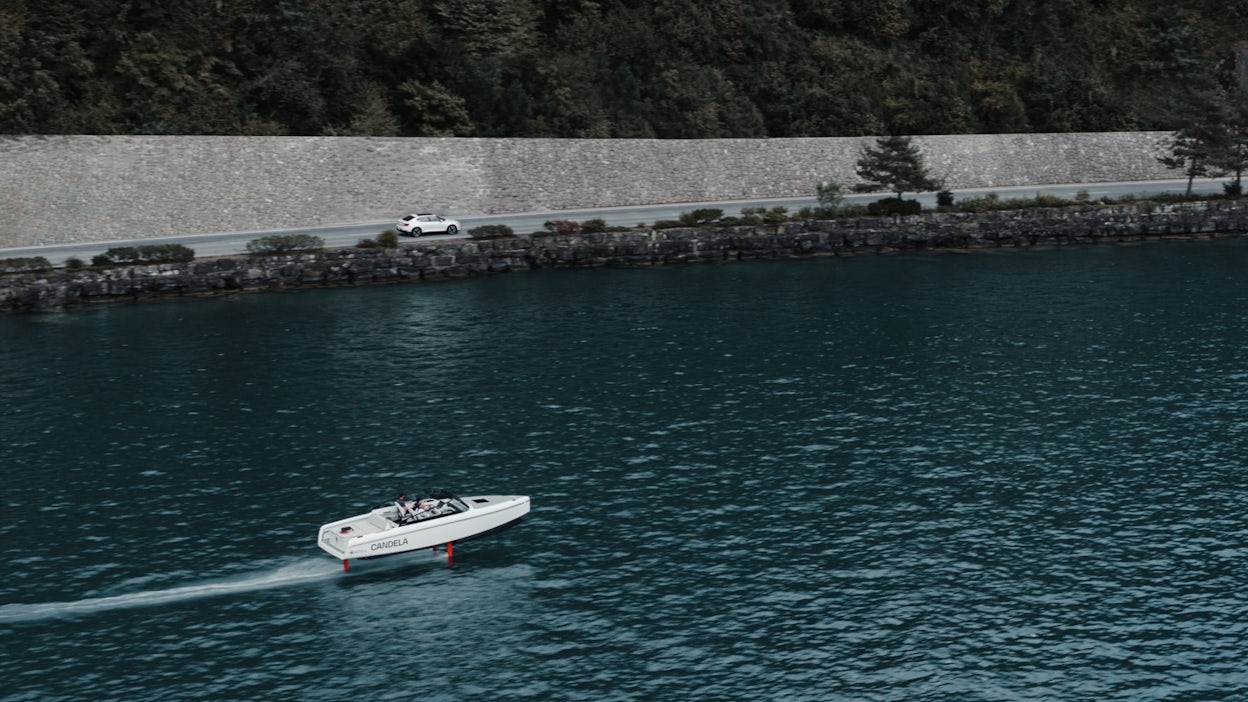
x=374 y=534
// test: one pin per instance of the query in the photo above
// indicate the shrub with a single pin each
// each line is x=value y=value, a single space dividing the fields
x=668 y=224
x=594 y=226
x=116 y=256
x=992 y=201
x=388 y=239
x=984 y=203
x=33 y=264
x=944 y=198
x=563 y=226
x=892 y=206
x=776 y=215
x=285 y=244
x=1161 y=197
x=491 y=231
x=751 y=215
x=831 y=194
x=700 y=217
x=150 y=253
x=74 y=263
x=822 y=212
x=1047 y=200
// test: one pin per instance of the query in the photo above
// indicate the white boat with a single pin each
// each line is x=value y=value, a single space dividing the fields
x=405 y=525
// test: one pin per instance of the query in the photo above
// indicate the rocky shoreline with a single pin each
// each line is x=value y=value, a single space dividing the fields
x=1091 y=224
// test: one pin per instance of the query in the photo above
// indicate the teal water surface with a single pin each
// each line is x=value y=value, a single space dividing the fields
x=1008 y=475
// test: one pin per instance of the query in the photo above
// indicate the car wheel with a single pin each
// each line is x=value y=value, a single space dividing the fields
x=452 y=229
x=415 y=231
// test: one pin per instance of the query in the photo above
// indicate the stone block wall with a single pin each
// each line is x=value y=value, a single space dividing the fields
x=63 y=189
x=641 y=247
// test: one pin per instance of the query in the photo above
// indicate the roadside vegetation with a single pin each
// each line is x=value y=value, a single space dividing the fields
x=971 y=205
x=387 y=239
x=566 y=226
x=24 y=264
x=492 y=231
x=147 y=254
x=281 y=244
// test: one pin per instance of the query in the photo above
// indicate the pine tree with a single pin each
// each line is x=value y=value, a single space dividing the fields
x=1195 y=148
x=1191 y=150
x=894 y=164
x=1231 y=154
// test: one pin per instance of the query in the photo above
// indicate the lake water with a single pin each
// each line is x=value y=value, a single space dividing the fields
x=1004 y=475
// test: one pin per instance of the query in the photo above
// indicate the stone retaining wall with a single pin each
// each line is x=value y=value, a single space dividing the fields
x=459 y=258
x=65 y=189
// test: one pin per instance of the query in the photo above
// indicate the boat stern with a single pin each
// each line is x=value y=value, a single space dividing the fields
x=336 y=538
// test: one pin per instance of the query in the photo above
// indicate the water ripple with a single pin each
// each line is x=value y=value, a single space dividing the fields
x=997 y=477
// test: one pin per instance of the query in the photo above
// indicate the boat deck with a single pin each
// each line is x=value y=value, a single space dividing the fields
x=335 y=536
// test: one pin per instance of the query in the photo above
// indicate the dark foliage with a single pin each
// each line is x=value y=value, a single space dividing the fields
x=562 y=227
x=387 y=239
x=492 y=231
x=890 y=206
x=150 y=253
x=573 y=68
x=594 y=226
x=281 y=244
x=894 y=164
x=700 y=217
x=33 y=264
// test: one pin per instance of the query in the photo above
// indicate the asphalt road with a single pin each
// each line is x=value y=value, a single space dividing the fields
x=342 y=235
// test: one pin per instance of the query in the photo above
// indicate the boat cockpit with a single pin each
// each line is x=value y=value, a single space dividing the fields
x=411 y=511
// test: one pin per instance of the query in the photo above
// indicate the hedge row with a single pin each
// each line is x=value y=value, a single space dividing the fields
x=285 y=244
x=151 y=253
x=35 y=264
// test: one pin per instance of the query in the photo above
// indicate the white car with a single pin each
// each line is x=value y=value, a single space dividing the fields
x=425 y=223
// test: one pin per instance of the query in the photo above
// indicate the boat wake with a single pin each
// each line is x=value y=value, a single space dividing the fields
x=292 y=574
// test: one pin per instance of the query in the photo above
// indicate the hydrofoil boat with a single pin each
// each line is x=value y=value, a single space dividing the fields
x=406 y=524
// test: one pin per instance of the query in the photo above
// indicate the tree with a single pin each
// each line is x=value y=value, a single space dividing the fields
x=894 y=164
x=1203 y=137
x=373 y=117
x=1231 y=152
x=830 y=193
x=435 y=111
x=1189 y=151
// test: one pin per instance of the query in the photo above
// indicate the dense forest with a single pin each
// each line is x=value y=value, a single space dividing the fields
x=608 y=68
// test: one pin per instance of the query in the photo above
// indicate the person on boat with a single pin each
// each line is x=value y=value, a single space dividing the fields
x=405 y=509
